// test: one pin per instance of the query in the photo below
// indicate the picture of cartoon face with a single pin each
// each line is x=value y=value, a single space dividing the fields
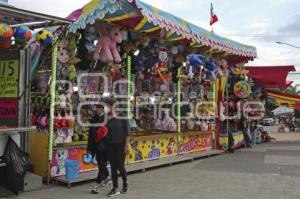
x=171 y=146
x=59 y=168
x=61 y=155
x=163 y=56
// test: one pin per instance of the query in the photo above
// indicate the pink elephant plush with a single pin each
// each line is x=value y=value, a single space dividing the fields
x=106 y=48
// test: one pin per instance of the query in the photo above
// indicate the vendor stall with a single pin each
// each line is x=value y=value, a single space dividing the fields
x=16 y=53
x=158 y=70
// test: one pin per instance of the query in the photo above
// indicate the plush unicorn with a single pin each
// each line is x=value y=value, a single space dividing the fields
x=106 y=48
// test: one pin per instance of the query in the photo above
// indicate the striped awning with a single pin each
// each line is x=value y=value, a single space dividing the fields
x=143 y=17
x=283 y=99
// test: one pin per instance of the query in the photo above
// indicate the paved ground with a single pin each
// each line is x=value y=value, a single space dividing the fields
x=273 y=130
x=269 y=171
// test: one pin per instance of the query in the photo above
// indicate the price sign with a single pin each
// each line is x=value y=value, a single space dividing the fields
x=9 y=78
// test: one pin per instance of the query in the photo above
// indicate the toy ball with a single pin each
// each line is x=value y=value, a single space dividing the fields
x=6 y=32
x=5 y=44
x=44 y=37
x=22 y=34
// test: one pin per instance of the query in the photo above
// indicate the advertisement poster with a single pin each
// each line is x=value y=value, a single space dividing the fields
x=195 y=142
x=150 y=149
x=58 y=167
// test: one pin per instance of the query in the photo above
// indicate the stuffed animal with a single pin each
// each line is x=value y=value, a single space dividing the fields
x=63 y=56
x=72 y=72
x=210 y=68
x=143 y=40
x=90 y=36
x=106 y=48
x=22 y=35
x=161 y=70
x=6 y=32
x=44 y=37
x=195 y=59
x=194 y=63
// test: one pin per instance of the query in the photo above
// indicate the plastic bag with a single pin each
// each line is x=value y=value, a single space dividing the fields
x=16 y=160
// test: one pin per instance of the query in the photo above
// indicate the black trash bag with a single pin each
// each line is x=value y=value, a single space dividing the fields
x=16 y=160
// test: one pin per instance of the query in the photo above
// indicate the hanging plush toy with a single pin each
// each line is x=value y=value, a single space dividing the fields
x=22 y=35
x=6 y=32
x=161 y=70
x=210 y=68
x=106 y=48
x=44 y=37
x=90 y=36
x=195 y=63
x=63 y=54
x=143 y=40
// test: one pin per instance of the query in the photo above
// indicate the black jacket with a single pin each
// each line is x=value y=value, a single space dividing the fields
x=118 y=130
x=92 y=144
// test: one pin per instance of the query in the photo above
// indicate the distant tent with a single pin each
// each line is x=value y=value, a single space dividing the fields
x=282 y=110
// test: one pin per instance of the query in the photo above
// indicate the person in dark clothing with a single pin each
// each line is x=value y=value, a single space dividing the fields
x=117 y=148
x=246 y=135
x=98 y=149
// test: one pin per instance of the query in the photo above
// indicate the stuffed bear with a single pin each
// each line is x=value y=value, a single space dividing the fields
x=106 y=48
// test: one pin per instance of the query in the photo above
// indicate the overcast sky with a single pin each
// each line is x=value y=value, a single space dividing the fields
x=257 y=22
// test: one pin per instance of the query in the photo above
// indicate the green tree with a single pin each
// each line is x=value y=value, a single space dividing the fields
x=293 y=90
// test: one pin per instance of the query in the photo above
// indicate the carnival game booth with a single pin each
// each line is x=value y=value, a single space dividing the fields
x=17 y=56
x=161 y=70
x=240 y=101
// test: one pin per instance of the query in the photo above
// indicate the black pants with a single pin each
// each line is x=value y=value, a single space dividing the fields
x=102 y=160
x=116 y=157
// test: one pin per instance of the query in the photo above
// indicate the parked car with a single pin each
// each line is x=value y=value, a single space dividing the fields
x=268 y=122
x=260 y=128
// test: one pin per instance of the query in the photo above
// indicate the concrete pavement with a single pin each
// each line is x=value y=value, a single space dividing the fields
x=269 y=171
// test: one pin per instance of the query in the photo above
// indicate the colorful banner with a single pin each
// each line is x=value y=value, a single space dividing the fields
x=150 y=148
x=8 y=108
x=195 y=142
x=60 y=155
x=9 y=78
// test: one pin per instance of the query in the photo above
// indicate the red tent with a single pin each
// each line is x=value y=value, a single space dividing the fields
x=271 y=76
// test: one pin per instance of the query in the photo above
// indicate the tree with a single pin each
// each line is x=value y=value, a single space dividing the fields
x=293 y=90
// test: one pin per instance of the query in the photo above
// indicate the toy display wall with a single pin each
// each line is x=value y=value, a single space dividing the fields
x=158 y=75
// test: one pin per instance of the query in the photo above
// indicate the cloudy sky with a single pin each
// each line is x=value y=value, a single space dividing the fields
x=257 y=22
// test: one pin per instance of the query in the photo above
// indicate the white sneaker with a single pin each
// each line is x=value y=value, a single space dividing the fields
x=113 y=192
x=96 y=188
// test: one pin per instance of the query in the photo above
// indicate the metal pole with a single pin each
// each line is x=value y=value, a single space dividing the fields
x=278 y=42
x=227 y=115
